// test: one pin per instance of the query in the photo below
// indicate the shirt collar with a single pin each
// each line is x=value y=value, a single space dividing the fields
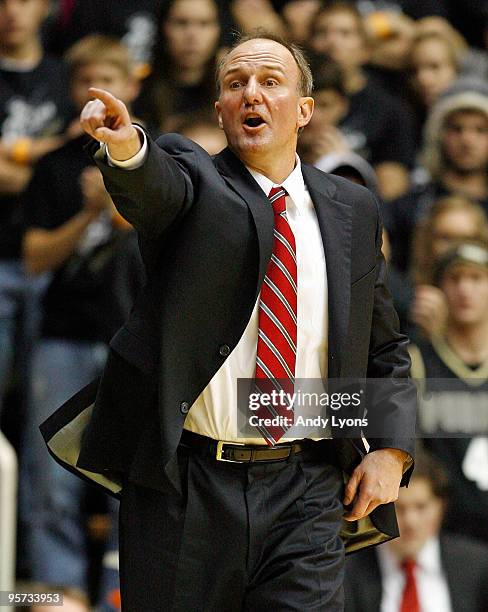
x=294 y=184
x=428 y=559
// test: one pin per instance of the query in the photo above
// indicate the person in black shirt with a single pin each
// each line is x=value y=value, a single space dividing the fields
x=74 y=233
x=377 y=125
x=34 y=111
x=181 y=81
x=453 y=373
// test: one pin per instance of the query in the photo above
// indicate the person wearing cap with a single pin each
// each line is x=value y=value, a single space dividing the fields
x=453 y=373
x=455 y=155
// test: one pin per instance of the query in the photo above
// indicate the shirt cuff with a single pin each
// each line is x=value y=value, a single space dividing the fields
x=133 y=162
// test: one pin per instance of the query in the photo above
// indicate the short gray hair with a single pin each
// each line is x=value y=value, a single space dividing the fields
x=305 y=80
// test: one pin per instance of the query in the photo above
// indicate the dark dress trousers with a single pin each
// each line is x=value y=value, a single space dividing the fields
x=205 y=233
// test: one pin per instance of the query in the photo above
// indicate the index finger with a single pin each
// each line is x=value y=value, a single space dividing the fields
x=110 y=101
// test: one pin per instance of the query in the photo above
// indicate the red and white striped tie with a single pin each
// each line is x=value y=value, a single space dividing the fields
x=277 y=335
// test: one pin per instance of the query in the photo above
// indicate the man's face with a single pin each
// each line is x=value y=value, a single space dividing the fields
x=466 y=289
x=102 y=76
x=419 y=514
x=465 y=141
x=259 y=108
x=192 y=32
x=337 y=35
x=20 y=21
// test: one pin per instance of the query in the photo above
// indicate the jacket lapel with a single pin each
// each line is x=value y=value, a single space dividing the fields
x=335 y=222
x=243 y=184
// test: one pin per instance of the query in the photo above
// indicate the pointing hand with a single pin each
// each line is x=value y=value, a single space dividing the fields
x=107 y=119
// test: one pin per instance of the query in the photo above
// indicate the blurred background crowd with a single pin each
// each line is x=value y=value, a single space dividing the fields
x=401 y=106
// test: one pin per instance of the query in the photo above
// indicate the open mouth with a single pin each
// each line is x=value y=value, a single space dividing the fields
x=253 y=122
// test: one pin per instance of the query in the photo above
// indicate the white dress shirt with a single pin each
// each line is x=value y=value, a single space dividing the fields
x=432 y=587
x=214 y=412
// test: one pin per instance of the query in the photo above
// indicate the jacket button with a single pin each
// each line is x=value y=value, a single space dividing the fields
x=184 y=407
x=224 y=350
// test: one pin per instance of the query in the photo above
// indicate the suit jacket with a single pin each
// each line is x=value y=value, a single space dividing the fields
x=205 y=233
x=464 y=561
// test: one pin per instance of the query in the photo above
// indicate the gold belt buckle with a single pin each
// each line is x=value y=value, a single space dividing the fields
x=220 y=450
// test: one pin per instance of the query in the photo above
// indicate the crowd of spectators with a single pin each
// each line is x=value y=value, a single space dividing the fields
x=401 y=106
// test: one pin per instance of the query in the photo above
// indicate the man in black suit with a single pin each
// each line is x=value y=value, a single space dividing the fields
x=206 y=523
x=426 y=568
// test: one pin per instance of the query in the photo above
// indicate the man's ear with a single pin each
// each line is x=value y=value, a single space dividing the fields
x=305 y=110
x=219 y=114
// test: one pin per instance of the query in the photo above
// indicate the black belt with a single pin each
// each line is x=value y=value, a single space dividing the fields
x=234 y=452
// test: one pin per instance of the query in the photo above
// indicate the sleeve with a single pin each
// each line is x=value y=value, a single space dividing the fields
x=157 y=194
x=392 y=397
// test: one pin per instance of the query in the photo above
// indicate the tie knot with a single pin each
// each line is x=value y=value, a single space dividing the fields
x=408 y=566
x=277 y=197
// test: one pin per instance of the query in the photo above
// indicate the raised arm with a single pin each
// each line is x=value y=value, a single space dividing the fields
x=152 y=195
